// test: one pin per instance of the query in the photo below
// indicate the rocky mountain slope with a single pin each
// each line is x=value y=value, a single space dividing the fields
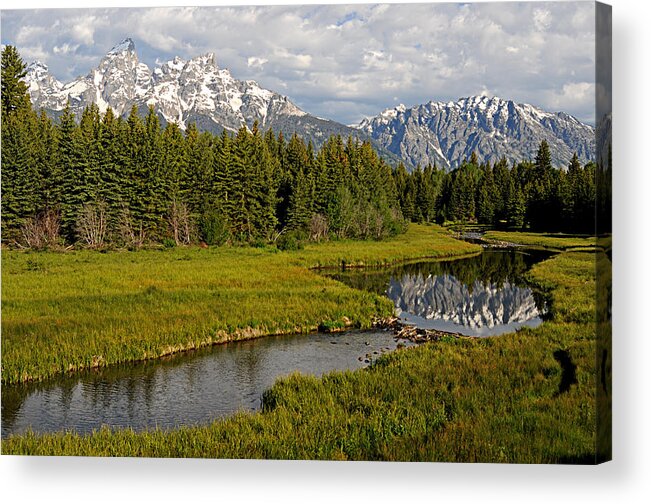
x=448 y=133
x=196 y=90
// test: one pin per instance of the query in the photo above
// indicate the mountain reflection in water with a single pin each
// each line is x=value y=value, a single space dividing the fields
x=446 y=304
x=483 y=295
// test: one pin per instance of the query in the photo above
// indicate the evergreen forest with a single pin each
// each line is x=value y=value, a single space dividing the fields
x=101 y=180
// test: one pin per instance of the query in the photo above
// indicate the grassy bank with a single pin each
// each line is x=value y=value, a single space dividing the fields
x=67 y=311
x=555 y=241
x=523 y=397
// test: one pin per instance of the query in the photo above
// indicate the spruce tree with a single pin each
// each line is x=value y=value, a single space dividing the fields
x=516 y=206
x=46 y=154
x=14 y=96
x=20 y=182
x=71 y=165
x=486 y=197
x=222 y=176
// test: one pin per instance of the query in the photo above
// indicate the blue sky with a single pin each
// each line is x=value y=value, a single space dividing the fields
x=344 y=61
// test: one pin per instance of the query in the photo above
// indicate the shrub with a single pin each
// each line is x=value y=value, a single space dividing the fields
x=318 y=227
x=92 y=224
x=42 y=231
x=289 y=241
x=213 y=228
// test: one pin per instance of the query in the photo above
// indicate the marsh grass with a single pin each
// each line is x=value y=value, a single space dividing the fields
x=461 y=400
x=64 y=312
x=555 y=241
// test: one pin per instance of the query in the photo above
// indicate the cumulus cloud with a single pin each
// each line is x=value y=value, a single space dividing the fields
x=254 y=61
x=65 y=48
x=542 y=19
x=345 y=62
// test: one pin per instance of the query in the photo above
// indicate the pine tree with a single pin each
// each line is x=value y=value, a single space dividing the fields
x=153 y=194
x=294 y=160
x=71 y=165
x=20 y=177
x=46 y=154
x=20 y=182
x=111 y=162
x=14 y=94
x=501 y=177
x=543 y=159
x=239 y=217
x=261 y=196
x=486 y=197
x=222 y=177
x=91 y=148
x=542 y=203
x=462 y=198
x=299 y=209
x=516 y=207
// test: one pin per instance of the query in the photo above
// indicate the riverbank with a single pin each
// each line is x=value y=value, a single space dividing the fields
x=527 y=397
x=549 y=241
x=64 y=312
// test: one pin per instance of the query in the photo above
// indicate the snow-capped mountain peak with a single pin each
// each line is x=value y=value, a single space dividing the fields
x=199 y=90
x=42 y=85
x=37 y=68
x=180 y=91
x=126 y=45
x=447 y=133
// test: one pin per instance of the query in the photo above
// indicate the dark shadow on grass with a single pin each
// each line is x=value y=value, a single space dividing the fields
x=569 y=371
x=564 y=235
x=585 y=459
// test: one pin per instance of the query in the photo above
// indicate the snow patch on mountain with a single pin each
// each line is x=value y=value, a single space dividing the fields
x=179 y=90
x=448 y=133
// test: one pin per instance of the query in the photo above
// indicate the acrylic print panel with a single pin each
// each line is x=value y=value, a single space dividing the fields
x=341 y=232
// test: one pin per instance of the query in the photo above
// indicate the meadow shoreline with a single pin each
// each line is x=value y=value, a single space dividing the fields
x=260 y=293
x=455 y=399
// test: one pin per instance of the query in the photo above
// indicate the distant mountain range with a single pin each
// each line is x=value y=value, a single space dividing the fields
x=198 y=90
x=448 y=133
x=181 y=91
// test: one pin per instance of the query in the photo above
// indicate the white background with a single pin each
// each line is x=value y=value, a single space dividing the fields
x=626 y=479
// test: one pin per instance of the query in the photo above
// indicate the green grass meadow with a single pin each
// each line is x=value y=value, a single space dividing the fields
x=554 y=241
x=64 y=312
x=497 y=399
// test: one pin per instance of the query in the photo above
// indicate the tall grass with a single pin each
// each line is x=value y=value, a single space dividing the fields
x=556 y=241
x=64 y=312
x=489 y=400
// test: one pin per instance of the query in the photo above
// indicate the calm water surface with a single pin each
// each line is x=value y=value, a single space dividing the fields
x=485 y=295
x=482 y=295
x=185 y=389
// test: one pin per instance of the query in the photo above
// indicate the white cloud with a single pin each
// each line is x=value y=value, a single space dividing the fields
x=573 y=96
x=65 y=48
x=328 y=57
x=29 y=33
x=254 y=61
x=35 y=52
x=542 y=19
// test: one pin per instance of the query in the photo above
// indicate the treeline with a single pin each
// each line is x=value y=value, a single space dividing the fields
x=529 y=194
x=104 y=180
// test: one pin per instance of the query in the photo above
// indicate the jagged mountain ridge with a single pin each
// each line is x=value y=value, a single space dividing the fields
x=447 y=133
x=475 y=309
x=196 y=90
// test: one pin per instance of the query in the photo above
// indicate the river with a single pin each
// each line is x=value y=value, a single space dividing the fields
x=483 y=295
